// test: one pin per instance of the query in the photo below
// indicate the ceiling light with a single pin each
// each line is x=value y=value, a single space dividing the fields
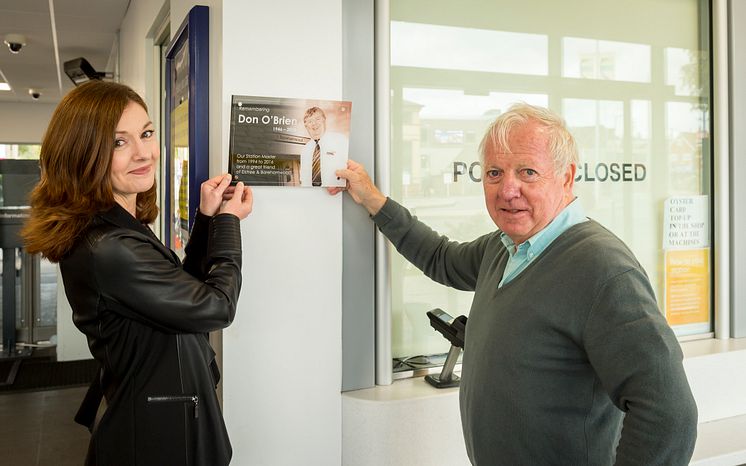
x=4 y=87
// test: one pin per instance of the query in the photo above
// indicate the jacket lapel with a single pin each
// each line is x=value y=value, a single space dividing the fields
x=123 y=219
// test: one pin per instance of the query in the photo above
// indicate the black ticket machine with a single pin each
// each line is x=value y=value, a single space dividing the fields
x=454 y=330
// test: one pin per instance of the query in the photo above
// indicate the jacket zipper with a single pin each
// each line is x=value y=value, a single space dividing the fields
x=194 y=399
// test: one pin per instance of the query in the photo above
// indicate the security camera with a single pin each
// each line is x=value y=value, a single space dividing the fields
x=35 y=94
x=15 y=42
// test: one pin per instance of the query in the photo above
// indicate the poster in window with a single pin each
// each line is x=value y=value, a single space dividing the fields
x=179 y=156
x=686 y=242
x=687 y=286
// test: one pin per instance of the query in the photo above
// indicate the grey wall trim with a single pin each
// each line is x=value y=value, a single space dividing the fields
x=358 y=236
x=721 y=169
x=737 y=47
x=384 y=370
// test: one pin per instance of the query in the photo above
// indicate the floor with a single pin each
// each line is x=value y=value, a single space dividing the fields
x=37 y=428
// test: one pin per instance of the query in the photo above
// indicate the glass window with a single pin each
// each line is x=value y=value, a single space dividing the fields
x=603 y=59
x=37 y=317
x=20 y=151
x=634 y=92
x=508 y=52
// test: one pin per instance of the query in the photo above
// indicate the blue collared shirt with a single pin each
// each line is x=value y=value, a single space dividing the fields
x=534 y=246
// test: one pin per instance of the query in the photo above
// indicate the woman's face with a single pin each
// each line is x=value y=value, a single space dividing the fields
x=136 y=153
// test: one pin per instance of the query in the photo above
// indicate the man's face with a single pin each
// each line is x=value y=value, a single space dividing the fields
x=522 y=192
x=315 y=125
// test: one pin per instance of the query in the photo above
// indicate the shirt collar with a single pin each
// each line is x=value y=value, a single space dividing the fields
x=571 y=215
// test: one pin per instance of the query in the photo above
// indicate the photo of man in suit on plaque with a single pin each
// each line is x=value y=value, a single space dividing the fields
x=323 y=154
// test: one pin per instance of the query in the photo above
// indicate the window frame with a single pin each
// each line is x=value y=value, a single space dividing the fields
x=719 y=177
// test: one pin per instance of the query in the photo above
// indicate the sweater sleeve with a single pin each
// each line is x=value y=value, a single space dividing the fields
x=447 y=262
x=639 y=362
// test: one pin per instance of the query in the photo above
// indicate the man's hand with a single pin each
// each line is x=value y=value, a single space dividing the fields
x=211 y=194
x=361 y=188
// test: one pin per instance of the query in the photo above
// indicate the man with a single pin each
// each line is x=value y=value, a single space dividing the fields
x=323 y=154
x=567 y=359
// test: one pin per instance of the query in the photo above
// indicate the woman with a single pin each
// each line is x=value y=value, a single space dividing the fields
x=145 y=315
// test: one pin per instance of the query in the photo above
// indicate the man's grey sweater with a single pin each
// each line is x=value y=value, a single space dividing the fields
x=563 y=357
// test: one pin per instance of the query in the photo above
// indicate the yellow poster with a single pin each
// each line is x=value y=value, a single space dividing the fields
x=687 y=286
x=180 y=173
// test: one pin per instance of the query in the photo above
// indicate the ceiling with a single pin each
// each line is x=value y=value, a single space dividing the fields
x=84 y=28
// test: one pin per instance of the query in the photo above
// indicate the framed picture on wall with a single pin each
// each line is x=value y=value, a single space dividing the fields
x=187 y=123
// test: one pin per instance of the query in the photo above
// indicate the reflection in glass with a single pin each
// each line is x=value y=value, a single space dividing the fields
x=685 y=134
x=683 y=70
x=20 y=151
x=636 y=98
x=457 y=48
x=603 y=59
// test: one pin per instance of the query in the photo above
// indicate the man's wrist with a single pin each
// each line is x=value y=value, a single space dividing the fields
x=375 y=203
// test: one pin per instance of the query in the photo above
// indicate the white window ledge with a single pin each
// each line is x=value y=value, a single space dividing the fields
x=711 y=346
x=381 y=424
x=715 y=369
x=721 y=443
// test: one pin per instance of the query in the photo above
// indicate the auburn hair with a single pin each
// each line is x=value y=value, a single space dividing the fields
x=75 y=160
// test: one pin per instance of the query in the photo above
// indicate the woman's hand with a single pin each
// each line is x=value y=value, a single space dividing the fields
x=240 y=203
x=212 y=192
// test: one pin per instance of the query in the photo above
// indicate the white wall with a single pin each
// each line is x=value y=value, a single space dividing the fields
x=134 y=44
x=282 y=356
x=24 y=122
x=72 y=345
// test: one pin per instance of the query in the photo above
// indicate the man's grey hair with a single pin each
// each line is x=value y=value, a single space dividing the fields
x=561 y=143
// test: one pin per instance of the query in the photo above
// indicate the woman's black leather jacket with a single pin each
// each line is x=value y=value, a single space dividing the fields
x=146 y=317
